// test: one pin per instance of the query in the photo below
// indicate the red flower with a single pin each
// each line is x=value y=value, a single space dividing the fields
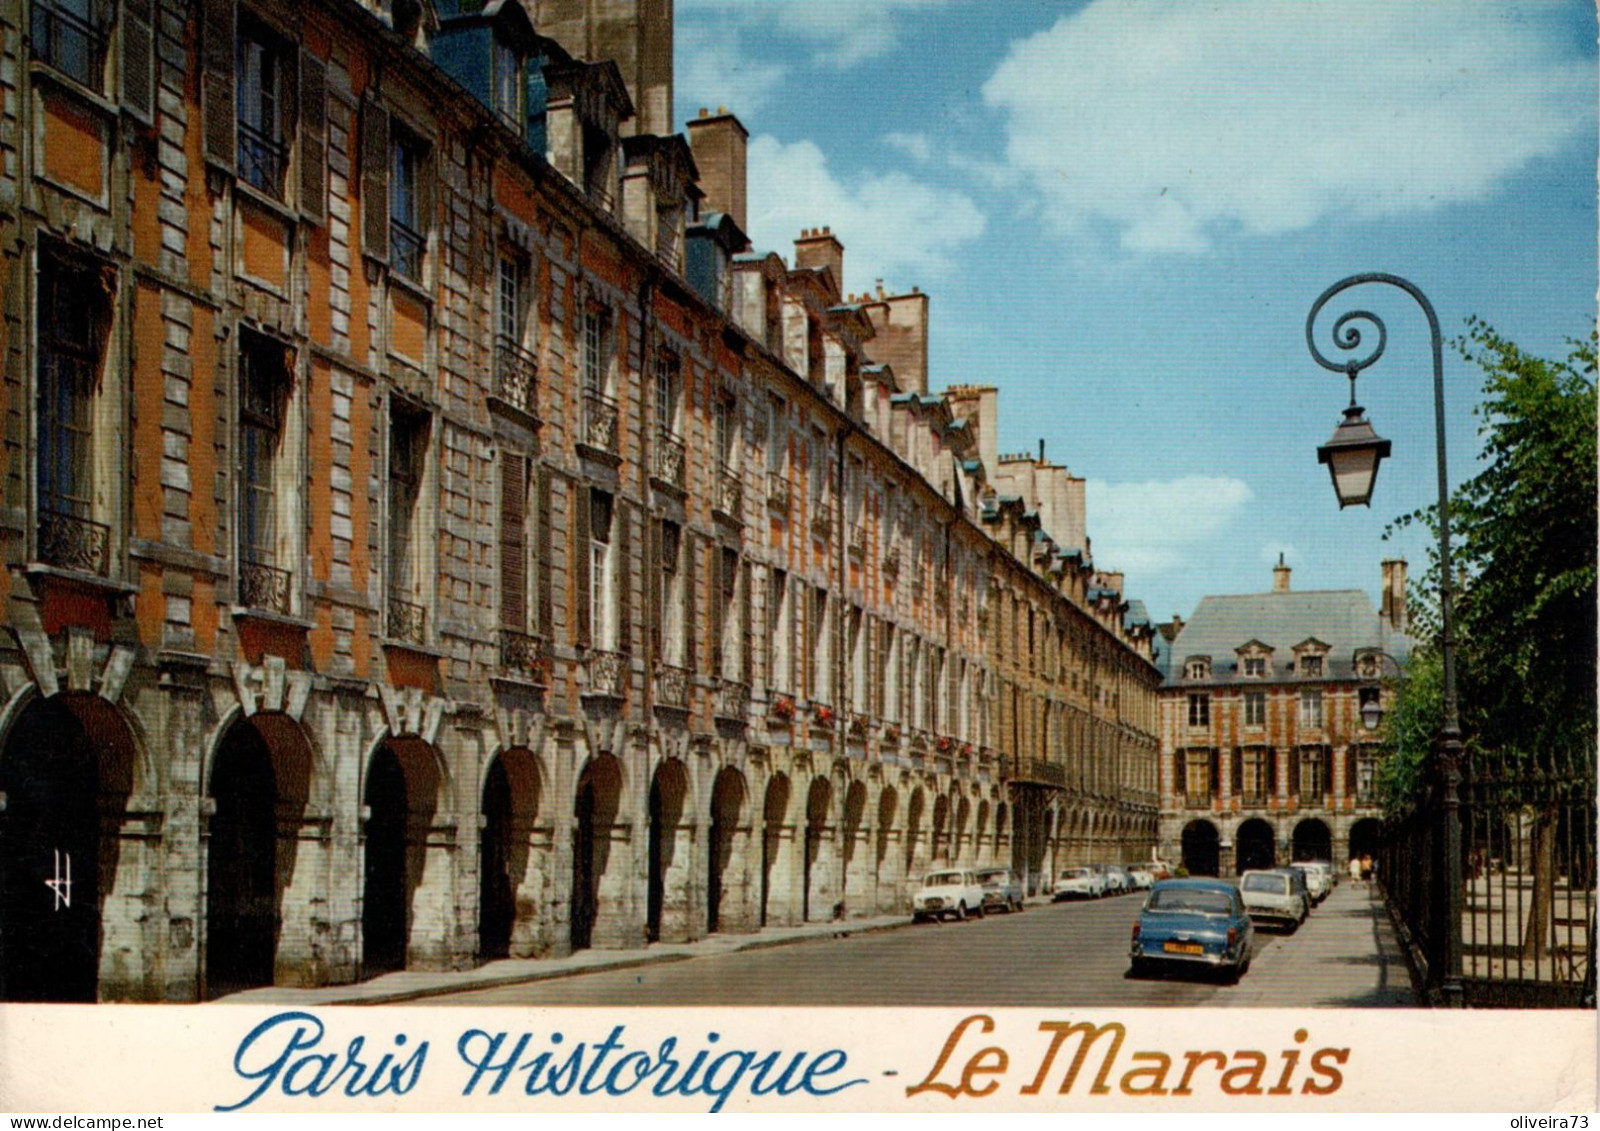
x=824 y=714
x=783 y=708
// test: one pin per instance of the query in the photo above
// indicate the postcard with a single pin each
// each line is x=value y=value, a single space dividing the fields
x=741 y=557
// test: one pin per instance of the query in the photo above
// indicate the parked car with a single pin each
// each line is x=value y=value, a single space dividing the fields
x=1079 y=883
x=1277 y=896
x=1117 y=879
x=1142 y=876
x=1193 y=922
x=952 y=894
x=1320 y=877
x=1002 y=891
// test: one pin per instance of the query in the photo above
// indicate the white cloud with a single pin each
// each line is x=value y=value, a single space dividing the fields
x=1173 y=123
x=841 y=35
x=890 y=223
x=715 y=69
x=1152 y=527
x=913 y=145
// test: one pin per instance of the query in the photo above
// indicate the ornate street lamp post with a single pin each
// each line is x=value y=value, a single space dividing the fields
x=1352 y=456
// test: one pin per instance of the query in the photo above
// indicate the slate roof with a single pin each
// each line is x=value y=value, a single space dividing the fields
x=1343 y=619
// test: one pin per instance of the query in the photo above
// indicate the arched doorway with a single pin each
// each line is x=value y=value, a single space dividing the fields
x=665 y=884
x=1200 y=848
x=814 y=895
x=1366 y=836
x=958 y=838
x=940 y=848
x=599 y=797
x=402 y=794
x=774 y=818
x=1255 y=845
x=242 y=919
x=1002 y=853
x=889 y=897
x=66 y=771
x=511 y=792
x=1312 y=840
x=913 y=873
x=727 y=809
x=855 y=877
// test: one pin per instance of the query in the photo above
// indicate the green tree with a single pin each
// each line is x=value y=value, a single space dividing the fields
x=1524 y=536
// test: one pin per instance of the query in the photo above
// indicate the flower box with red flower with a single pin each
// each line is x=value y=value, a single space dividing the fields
x=823 y=714
x=891 y=733
x=783 y=709
x=945 y=744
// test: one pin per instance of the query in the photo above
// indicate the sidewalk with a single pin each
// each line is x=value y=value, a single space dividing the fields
x=412 y=985
x=1346 y=954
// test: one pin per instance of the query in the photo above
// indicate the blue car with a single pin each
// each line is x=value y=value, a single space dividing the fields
x=1199 y=923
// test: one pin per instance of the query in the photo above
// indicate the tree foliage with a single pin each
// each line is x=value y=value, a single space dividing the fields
x=1524 y=537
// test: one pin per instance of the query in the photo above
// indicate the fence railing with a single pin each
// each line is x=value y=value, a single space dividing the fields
x=1528 y=885
x=516 y=376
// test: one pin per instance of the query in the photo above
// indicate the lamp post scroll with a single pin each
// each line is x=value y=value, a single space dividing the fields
x=1353 y=455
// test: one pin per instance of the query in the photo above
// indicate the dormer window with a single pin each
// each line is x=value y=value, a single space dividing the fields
x=1197 y=669
x=510 y=86
x=1255 y=667
x=1311 y=666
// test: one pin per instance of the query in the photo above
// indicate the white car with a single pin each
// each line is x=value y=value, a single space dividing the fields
x=1319 y=878
x=1080 y=883
x=1141 y=875
x=953 y=894
x=1278 y=895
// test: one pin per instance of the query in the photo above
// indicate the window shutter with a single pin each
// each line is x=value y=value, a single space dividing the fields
x=313 y=138
x=653 y=577
x=1327 y=771
x=1294 y=773
x=513 y=542
x=138 y=60
x=622 y=573
x=582 y=624
x=1238 y=771
x=1180 y=772
x=1216 y=772
x=747 y=637
x=218 y=63
x=1350 y=778
x=691 y=600
x=717 y=611
x=375 y=194
x=541 y=578
x=1272 y=772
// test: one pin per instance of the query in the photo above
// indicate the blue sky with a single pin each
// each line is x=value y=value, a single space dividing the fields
x=1123 y=211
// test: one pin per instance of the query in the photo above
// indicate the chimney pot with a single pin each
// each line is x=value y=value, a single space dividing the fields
x=704 y=113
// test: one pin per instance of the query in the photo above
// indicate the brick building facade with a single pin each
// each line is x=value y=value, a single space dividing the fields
x=434 y=534
x=1264 y=758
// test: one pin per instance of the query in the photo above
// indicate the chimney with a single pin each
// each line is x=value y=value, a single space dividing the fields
x=1393 y=608
x=900 y=337
x=718 y=144
x=819 y=247
x=1280 y=576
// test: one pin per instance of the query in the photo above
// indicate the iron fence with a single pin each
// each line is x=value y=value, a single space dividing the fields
x=1527 y=924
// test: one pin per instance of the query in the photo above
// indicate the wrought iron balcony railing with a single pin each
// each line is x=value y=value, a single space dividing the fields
x=822 y=523
x=600 y=421
x=778 y=492
x=76 y=543
x=264 y=587
x=516 y=376
x=408 y=622
x=670 y=458
x=857 y=543
x=672 y=686
x=262 y=160
x=730 y=492
x=891 y=562
x=69 y=43
x=608 y=673
x=523 y=654
x=733 y=701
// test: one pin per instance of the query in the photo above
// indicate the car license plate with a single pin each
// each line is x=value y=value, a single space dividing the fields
x=1183 y=948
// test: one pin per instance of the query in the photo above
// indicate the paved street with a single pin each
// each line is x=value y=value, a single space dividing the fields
x=1050 y=955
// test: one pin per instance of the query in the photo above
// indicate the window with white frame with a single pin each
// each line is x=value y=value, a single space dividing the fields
x=602 y=571
x=1255 y=667
x=1255 y=708
x=1311 y=708
x=1311 y=666
x=265 y=557
x=509 y=85
x=1199 y=710
x=780 y=629
x=673 y=640
x=263 y=148
x=407 y=221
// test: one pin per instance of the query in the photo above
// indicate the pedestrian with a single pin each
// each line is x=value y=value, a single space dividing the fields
x=1366 y=869
x=1355 y=869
